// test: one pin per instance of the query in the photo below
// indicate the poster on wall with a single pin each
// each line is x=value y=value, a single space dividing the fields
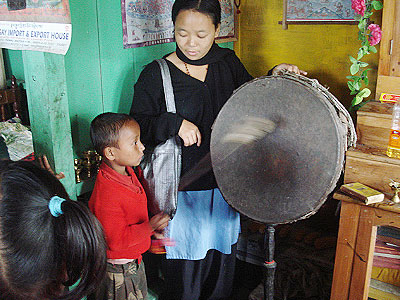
x=307 y=11
x=38 y=25
x=148 y=22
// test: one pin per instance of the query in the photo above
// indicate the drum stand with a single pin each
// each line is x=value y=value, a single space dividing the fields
x=269 y=263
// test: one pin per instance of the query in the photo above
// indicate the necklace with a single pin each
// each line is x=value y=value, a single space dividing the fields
x=187 y=69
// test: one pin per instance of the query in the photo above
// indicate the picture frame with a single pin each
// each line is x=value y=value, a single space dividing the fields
x=148 y=22
x=317 y=12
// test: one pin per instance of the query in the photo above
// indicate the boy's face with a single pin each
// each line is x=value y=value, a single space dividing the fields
x=130 y=148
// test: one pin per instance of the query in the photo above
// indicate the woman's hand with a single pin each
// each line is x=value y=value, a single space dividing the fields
x=189 y=133
x=288 y=67
x=44 y=164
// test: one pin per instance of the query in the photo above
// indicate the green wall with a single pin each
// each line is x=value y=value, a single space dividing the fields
x=99 y=76
x=13 y=64
x=100 y=72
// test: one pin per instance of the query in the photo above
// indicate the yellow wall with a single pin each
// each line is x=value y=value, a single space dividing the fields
x=321 y=50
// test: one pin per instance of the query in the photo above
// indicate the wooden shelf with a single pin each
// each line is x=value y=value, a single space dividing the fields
x=356 y=244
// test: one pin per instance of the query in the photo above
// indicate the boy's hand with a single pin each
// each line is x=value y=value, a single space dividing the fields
x=158 y=224
x=44 y=164
x=158 y=235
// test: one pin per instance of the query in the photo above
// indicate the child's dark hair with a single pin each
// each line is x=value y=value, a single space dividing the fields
x=40 y=253
x=104 y=130
x=211 y=8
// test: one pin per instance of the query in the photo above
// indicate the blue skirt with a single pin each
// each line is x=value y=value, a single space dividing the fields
x=203 y=221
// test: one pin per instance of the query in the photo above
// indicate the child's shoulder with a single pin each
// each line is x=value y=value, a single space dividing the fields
x=104 y=186
x=111 y=184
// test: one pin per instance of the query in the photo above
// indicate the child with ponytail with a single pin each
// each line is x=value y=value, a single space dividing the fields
x=47 y=241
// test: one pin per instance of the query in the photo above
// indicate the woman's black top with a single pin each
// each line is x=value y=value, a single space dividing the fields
x=196 y=101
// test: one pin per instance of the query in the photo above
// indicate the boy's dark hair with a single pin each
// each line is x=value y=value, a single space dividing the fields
x=39 y=253
x=104 y=130
x=211 y=8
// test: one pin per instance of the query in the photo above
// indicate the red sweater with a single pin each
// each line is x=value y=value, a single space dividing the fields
x=120 y=204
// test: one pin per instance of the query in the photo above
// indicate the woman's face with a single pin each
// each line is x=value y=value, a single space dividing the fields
x=194 y=33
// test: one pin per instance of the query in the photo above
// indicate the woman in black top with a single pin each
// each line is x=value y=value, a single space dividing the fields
x=204 y=75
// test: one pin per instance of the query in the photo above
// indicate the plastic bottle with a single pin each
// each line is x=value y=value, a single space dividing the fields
x=393 y=149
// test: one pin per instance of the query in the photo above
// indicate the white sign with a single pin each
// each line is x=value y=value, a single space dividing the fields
x=44 y=37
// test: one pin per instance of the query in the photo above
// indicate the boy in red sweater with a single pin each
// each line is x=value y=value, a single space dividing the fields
x=120 y=204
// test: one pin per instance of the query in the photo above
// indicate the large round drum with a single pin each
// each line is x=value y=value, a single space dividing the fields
x=278 y=146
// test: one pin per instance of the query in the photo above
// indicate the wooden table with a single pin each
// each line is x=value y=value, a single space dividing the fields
x=356 y=244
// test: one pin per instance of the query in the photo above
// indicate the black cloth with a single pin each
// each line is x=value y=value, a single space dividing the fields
x=196 y=101
x=212 y=277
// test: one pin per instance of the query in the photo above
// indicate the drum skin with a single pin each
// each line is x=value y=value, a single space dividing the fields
x=285 y=173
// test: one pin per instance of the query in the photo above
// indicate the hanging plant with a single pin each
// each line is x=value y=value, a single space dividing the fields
x=370 y=35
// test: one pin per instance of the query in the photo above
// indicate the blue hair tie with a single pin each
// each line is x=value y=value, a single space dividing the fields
x=55 y=206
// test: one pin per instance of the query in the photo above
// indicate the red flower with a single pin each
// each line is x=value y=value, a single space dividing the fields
x=358 y=6
x=375 y=34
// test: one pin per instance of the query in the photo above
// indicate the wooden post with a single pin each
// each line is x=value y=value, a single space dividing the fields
x=346 y=244
x=3 y=83
x=388 y=80
x=284 y=15
x=49 y=112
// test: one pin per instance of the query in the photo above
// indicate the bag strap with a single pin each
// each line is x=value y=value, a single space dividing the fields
x=168 y=91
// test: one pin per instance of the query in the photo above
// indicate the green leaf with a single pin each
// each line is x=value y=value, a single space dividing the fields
x=360 y=53
x=352 y=59
x=354 y=68
x=361 y=25
x=364 y=93
x=363 y=64
x=377 y=5
x=368 y=14
x=365 y=42
x=350 y=85
x=353 y=92
x=357 y=100
x=366 y=81
x=350 y=77
x=373 y=49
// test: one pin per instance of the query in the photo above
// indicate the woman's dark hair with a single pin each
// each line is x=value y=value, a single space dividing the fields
x=40 y=253
x=104 y=130
x=211 y=8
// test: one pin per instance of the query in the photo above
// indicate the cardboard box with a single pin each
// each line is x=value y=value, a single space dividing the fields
x=371 y=167
x=374 y=121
